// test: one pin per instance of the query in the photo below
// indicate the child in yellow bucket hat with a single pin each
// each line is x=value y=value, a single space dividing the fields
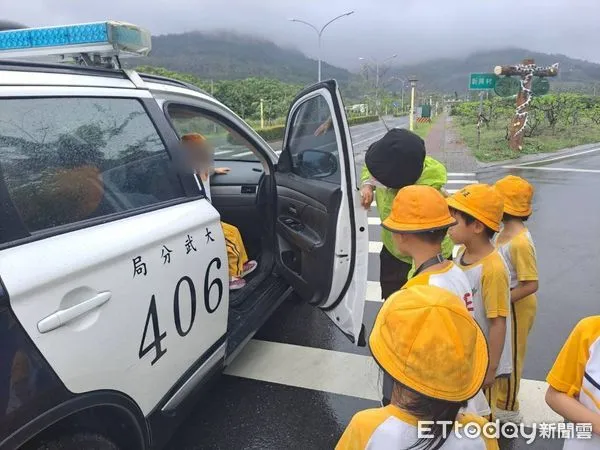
x=419 y=221
x=201 y=156
x=478 y=210
x=516 y=246
x=427 y=342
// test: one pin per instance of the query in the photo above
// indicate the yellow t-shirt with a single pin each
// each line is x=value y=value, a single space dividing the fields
x=392 y=428
x=490 y=284
x=576 y=372
x=519 y=254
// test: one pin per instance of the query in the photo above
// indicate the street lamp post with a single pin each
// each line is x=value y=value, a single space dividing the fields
x=377 y=65
x=320 y=32
x=413 y=83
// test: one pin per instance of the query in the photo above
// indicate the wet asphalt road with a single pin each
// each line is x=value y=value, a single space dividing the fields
x=242 y=413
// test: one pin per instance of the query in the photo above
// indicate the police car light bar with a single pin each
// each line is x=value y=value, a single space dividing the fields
x=99 y=39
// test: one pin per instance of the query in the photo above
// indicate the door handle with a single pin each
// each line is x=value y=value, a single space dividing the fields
x=64 y=316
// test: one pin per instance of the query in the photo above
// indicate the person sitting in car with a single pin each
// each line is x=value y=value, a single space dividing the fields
x=201 y=153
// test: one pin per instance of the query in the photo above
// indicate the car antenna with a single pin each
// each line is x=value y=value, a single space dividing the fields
x=384 y=123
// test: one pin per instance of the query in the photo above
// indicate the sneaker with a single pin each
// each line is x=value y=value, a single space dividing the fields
x=505 y=416
x=248 y=268
x=236 y=284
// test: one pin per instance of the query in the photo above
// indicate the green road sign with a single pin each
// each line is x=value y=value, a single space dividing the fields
x=507 y=87
x=482 y=81
x=540 y=86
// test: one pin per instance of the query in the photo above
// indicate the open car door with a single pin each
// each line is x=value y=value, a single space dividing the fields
x=321 y=225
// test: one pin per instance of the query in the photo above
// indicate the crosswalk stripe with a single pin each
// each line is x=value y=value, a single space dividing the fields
x=346 y=374
x=451 y=191
x=461 y=174
x=374 y=291
x=375 y=246
x=461 y=181
x=374 y=221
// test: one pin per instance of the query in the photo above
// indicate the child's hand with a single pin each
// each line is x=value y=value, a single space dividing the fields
x=222 y=170
x=366 y=194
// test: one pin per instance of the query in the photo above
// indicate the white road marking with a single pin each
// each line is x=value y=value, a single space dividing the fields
x=558 y=158
x=375 y=246
x=347 y=374
x=374 y=221
x=452 y=191
x=460 y=174
x=244 y=154
x=462 y=181
x=223 y=152
x=554 y=169
x=374 y=291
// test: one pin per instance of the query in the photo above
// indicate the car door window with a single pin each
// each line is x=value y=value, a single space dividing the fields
x=66 y=160
x=228 y=145
x=312 y=143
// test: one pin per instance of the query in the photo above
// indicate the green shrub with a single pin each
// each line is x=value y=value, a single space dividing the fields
x=360 y=120
x=271 y=134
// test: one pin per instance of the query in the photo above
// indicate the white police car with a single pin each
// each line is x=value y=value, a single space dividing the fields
x=114 y=306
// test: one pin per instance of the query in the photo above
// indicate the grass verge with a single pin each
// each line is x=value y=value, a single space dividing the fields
x=494 y=146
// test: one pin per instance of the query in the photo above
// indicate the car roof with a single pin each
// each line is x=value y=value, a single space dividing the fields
x=23 y=73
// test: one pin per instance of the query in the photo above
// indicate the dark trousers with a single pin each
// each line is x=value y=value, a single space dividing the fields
x=392 y=276
x=393 y=273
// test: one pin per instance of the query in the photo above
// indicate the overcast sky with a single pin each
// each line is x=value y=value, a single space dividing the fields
x=414 y=29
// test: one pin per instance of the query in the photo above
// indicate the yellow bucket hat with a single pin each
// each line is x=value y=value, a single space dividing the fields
x=418 y=208
x=425 y=339
x=482 y=202
x=518 y=195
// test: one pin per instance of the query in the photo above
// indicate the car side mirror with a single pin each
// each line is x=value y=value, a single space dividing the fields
x=316 y=164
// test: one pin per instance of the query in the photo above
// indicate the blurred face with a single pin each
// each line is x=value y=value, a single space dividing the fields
x=402 y=242
x=198 y=153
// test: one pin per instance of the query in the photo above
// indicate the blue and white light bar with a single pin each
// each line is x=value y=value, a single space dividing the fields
x=104 y=39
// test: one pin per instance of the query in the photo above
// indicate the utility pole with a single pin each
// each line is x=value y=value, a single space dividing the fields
x=413 y=84
x=526 y=71
x=262 y=113
x=320 y=33
x=377 y=65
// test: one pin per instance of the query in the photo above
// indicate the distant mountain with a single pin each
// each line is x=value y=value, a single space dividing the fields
x=229 y=56
x=450 y=75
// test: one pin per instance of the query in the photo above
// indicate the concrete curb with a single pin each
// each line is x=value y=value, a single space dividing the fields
x=571 y=152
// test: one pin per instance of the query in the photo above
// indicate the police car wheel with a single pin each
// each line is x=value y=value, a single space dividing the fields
x=88 y=441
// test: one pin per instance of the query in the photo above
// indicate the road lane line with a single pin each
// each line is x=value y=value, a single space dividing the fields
x=347 y=374
x=223 y=152
x=554 y=169
x=559 y=158
x=244 y=154
x=461 y=174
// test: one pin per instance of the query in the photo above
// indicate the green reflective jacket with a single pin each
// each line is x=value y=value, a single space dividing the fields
x=434 y=175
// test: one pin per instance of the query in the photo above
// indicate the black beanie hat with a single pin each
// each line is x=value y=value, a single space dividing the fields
x=397 y=159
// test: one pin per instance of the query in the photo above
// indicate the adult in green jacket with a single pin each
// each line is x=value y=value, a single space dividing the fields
x=397 y=268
